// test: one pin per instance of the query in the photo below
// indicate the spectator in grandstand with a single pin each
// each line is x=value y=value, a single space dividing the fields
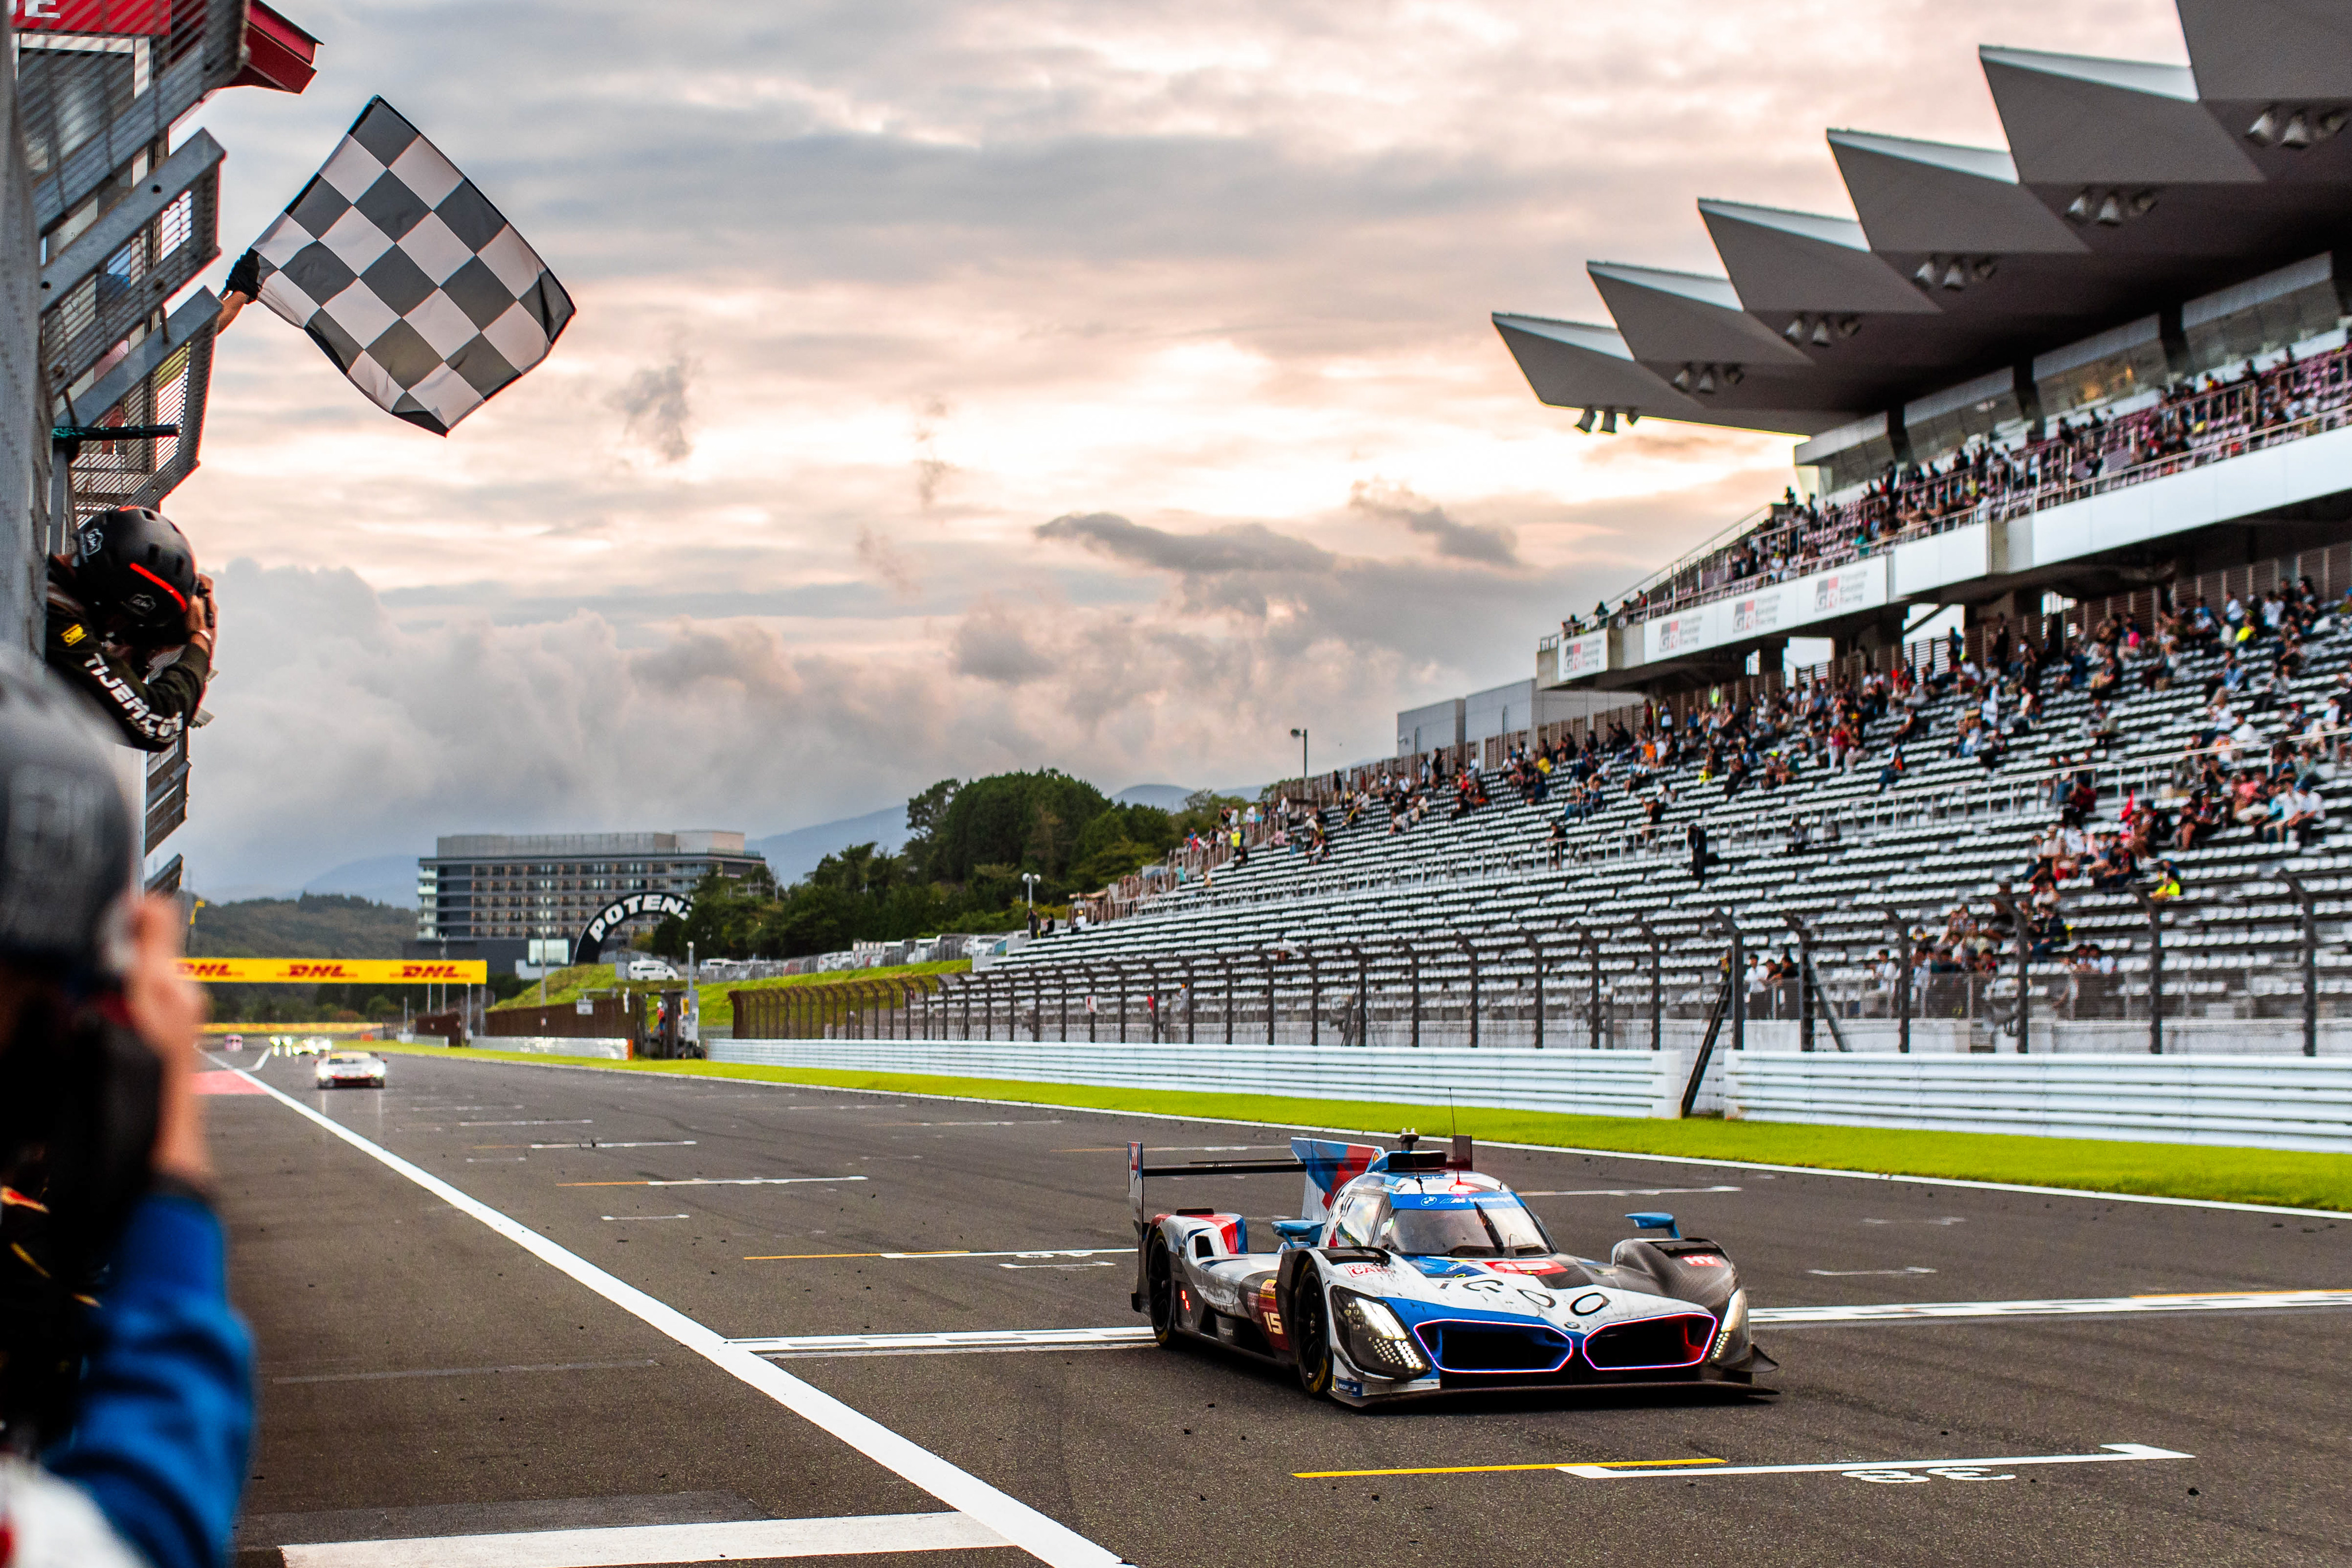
x=2303 y=815
x=2098 y=725
x=1701 y=857
x=2167 y=883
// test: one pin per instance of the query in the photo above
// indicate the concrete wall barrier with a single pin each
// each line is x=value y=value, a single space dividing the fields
x=1586 y=1082
x=2276 y=1102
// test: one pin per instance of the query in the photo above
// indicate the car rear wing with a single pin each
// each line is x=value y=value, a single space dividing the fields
x=1327 y=1166
x=1137 y=1174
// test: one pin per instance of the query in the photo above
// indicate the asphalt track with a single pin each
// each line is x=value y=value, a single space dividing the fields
x=435 y=1393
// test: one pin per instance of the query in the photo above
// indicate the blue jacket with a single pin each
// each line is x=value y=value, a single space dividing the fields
x=166 y=1416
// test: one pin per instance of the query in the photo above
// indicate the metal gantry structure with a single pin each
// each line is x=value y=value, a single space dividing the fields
x=105 y=352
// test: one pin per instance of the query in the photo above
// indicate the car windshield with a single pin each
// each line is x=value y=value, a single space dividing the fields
x=1490 y=1230
x=345 y=1059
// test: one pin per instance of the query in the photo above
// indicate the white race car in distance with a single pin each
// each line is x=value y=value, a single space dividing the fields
x=343 y=1069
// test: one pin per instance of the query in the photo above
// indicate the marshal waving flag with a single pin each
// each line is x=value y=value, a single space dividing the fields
x=401 y=271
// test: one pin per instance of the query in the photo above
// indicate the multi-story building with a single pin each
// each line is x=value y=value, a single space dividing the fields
x=522 y=898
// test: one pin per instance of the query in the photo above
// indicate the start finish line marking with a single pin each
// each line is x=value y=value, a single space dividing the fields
x=1895 y=1473
x=717 y=1181
x=1892 y=1472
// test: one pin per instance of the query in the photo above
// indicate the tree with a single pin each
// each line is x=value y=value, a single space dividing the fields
x=924 y=812
x=1027 y=820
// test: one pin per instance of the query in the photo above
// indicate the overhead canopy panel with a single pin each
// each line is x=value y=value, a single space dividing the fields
x=2128 y=188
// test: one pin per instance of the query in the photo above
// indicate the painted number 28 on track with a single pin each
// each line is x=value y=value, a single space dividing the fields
x=1949 y=1472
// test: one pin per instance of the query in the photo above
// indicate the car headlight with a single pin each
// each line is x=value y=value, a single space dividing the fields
x=1731 y=1338
x=1376 y=1341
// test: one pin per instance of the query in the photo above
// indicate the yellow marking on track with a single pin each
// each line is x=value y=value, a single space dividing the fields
x=1490 y=1469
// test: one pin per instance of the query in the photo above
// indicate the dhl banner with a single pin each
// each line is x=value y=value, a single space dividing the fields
x=340 y=971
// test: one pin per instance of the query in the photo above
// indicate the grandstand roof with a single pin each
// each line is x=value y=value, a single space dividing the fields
x=2127 y=188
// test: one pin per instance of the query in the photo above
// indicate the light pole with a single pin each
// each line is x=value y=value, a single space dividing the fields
x=1300 y=736
x=1029 y=880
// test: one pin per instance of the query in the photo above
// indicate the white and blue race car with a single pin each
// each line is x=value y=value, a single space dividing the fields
x=1409 y=1274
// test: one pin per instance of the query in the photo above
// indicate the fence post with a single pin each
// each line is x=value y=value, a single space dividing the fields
x=1094 y=1001
x=1535 y=953
x=2016 y=913
x=1314 y=998
x=1229 y=1000
x=1269 y=997
x=1738 y=985
x=1657 y=986
x=1902 y=982
x=1363 y=996
x=2155 y=974
x=1592 y=955
x=2310 y=961
x=1472 y=954
x=1191 y=998
x=1412 y=961
x=1805 y=982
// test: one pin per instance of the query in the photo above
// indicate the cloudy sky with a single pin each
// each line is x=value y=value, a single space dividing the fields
x=959 y=387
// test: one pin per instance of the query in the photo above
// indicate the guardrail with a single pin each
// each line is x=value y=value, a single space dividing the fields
x=1592 y=1083
x=2281 y=1103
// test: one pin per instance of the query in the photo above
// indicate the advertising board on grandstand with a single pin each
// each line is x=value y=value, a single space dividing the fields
x=1858 y=585
x=1585 y=655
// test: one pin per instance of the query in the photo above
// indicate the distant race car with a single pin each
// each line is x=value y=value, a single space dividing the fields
x=233 y=1043
x=342 y=1069
x=1409 y=1274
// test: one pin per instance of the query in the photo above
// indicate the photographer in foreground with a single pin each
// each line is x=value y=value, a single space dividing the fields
x=131 y=622
x=126 y=1402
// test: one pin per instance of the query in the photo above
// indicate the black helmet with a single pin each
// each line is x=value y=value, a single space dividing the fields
x=67 y=853
x=134 y=562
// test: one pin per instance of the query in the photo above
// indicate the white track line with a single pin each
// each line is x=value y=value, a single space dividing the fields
x=1036 y=1533
x=1609 y=1191
x=1866 y=1469
x=1122 y=1336
x=918 y=1343
x=2094 y=1194
x=2056 y=1307
x=642 y=1543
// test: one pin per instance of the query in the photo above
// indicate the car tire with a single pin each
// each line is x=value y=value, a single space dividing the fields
x=376 y=1082
x=1310 y=1333
x=1159 y=1290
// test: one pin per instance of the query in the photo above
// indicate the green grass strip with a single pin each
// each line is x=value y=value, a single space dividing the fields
x=2289 y=1178
x=567 y=986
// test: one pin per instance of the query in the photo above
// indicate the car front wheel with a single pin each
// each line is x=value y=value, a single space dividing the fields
x=1310 y=1334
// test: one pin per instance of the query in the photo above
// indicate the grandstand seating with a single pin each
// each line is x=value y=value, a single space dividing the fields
x=1452 y=892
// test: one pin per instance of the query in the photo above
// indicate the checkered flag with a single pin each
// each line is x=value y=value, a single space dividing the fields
x=407 y=276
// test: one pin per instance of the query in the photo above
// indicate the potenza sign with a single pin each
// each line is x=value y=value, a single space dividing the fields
x=631 y=906
x=1782 y=607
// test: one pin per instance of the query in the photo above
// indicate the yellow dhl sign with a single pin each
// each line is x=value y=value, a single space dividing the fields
x=339 y=971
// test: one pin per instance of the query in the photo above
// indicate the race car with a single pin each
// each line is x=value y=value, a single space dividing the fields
x=351 y=1067
x=1409 y=1274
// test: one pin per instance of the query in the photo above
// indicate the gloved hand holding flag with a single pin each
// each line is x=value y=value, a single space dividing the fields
x=406 y=276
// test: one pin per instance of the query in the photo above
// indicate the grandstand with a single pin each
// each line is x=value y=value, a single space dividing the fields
x=2090 y=398
x=1378 y=943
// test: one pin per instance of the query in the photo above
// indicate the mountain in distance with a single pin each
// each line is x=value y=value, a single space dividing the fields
x=380 y=879
x=315 y=925
x=793 y=855
x=1167 y=797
